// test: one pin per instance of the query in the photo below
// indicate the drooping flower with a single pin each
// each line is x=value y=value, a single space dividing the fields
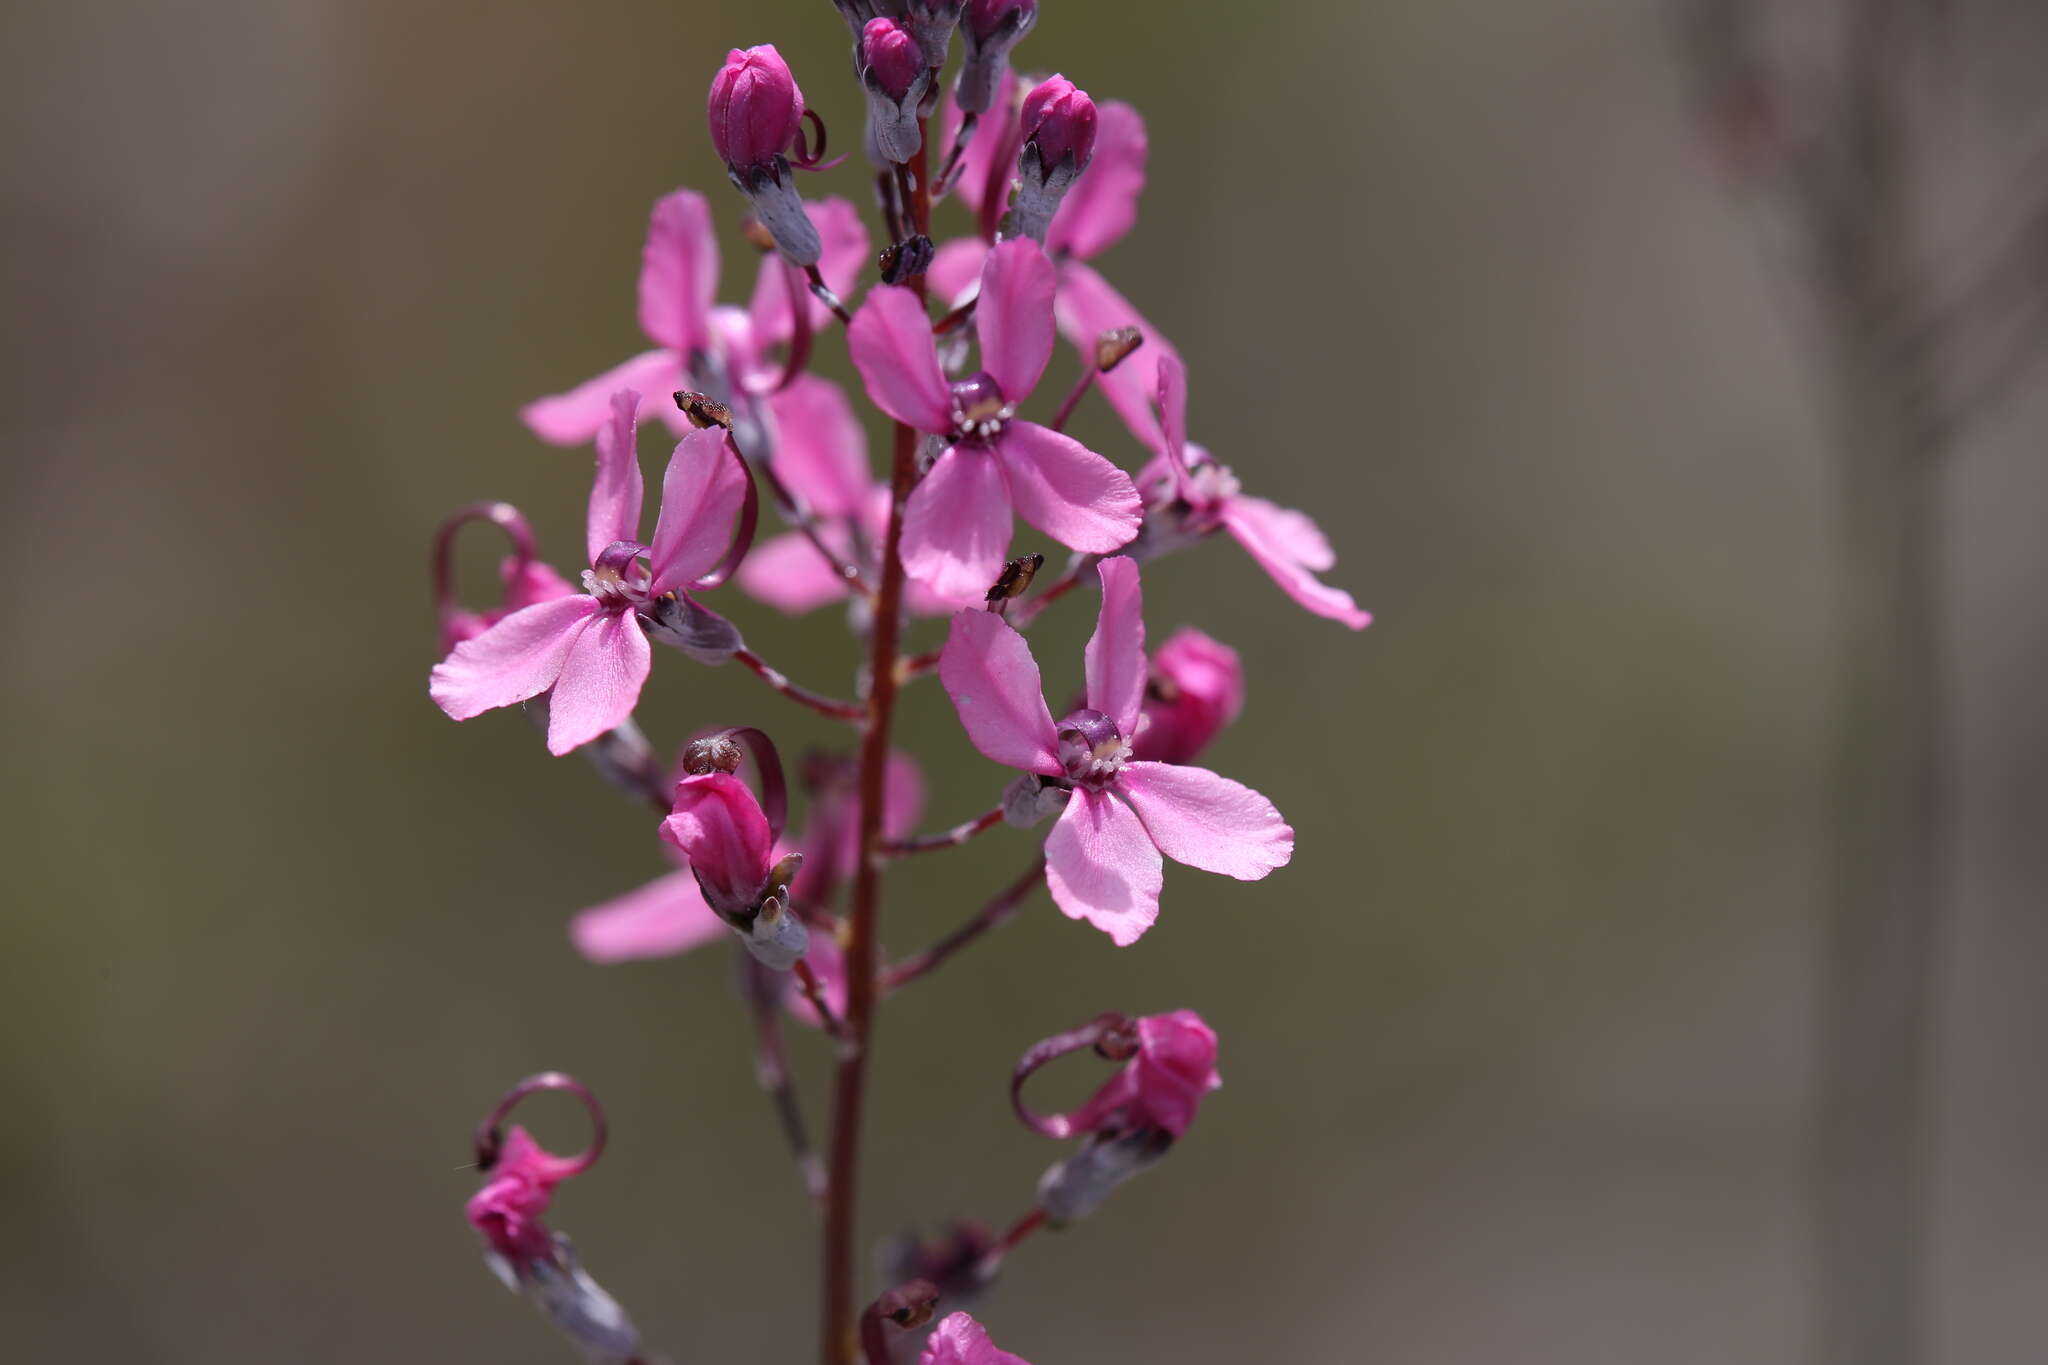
x=524 y=580
x=589 y=651
x=960 y=1340
x=1103 y=857
x=957 y=524
x=1196 y=496
x=539 y=1265
x=719 y=826
x=1161 y=1084
x=1196 y=688
x=1095 y=214
x=696 y=345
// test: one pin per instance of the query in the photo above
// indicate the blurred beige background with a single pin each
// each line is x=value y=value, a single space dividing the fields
x=1517 y=1051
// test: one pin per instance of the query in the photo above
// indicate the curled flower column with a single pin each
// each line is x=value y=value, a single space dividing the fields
x=589 y=651
x=1103 y=857
x=957 y=524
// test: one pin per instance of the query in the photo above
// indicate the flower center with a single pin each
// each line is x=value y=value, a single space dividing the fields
x=1092 y=750
x=617 y=581
x=979 y=408
x=1212 y=483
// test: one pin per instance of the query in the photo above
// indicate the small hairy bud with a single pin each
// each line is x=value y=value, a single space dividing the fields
x=889 y=55
x=1059 y=119
x=1114 y=346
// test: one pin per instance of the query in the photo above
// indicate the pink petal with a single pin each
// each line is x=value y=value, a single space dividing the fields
x=1102 y=867
x=960 y=1340
x=843 y=238
x=600 y=683
x=1204 y=692
x=1207 y=821
x=719 y=826
x=1173 y=422
x=956 y=270
x=1088 y=307
x=615 y=492
x=1103 y=204
x=1014 y=317
x=891 y=343
x=956 y=525
x=570 y=419
x=679 y=272
x=789 y=574
x=701 y=493
x=1116 y=652
x=1066 y=490
x=665 y=917
x=1304 y=541
x=821 y=450
x=988 y=671
x=1278 y=560
x=514 y=661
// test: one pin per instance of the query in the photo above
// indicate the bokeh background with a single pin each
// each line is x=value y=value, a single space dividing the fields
x=1518 y=1052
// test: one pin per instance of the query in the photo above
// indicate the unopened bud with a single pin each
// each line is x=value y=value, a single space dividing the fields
x=894 y=74
x=988 y=30
x=717 y=754
x=1114 y=346
x=1059 y=139
x=889 y=56
x=755 y=107
x=1072 y=1189
x=703 y=410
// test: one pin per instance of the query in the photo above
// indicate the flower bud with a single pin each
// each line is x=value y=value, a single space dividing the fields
x=932 y=22
x=1059 y=139
x=1196 y=688
x=893 y=72
x=1162 y=1084
x=720 y=827
x=988 y=30
x=755 y=109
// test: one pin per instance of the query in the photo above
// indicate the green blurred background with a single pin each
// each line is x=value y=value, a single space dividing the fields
x=1517 y=1051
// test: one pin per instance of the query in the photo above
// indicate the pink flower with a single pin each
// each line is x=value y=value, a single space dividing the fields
x=521 y=1185
x=696 y=346
x=755 y=108
x=1103 y=858
x=718 y=824
x=1097 y=212
x=1201 y=495
x=1197 y=688
x=1162 y=1083
x=957 y=524
x=960 y=1340
x=590 y=650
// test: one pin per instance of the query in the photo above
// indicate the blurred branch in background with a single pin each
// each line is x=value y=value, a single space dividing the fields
x=1827 y=113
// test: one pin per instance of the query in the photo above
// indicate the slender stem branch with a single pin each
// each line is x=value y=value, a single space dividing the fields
x=1074 y=397
x=793 y=510
x=817 y=701
x=771 y=1069
x=814 y=991
x=990 y=916
x=917 y=665
x=992 y=1262
x=945 y=838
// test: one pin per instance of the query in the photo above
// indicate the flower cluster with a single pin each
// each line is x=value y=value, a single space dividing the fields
x=952 y=341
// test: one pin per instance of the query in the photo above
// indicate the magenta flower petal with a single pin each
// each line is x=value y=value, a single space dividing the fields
x=1103 y=204
x=1173 y=422
x=891 y=343
x=616 y=490
x=1304 y=540
x=821 y=450
x=570 y=419
x=1087 y=308
x=956 y=270
x=679 y=273
x=719 y=826
x=600 y=683
x=789 y=574
x=1115 y=657
x=1102 y=866
x=1278 y=559
x=1202 y=691
x=514 y=661
x=755 y=108
x=665 y=917
x=1014 y=317
x=1066 y=490
x=843 y=245
x=956 y=525
x=701 y=493
x=1207 y=821
x=988 y=671
x=1163 y=1084
x=960 y=1340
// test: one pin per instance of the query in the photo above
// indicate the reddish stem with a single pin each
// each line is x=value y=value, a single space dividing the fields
x=817 y=701
x=993 y=915
x=1074 y=397
x=949 y=838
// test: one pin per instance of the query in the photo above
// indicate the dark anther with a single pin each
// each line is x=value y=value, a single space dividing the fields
x=703 y=410
x=1119 y=1042
x=717 y=754
x=906 y=260
x=1015 y=578
x=1114 y=345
